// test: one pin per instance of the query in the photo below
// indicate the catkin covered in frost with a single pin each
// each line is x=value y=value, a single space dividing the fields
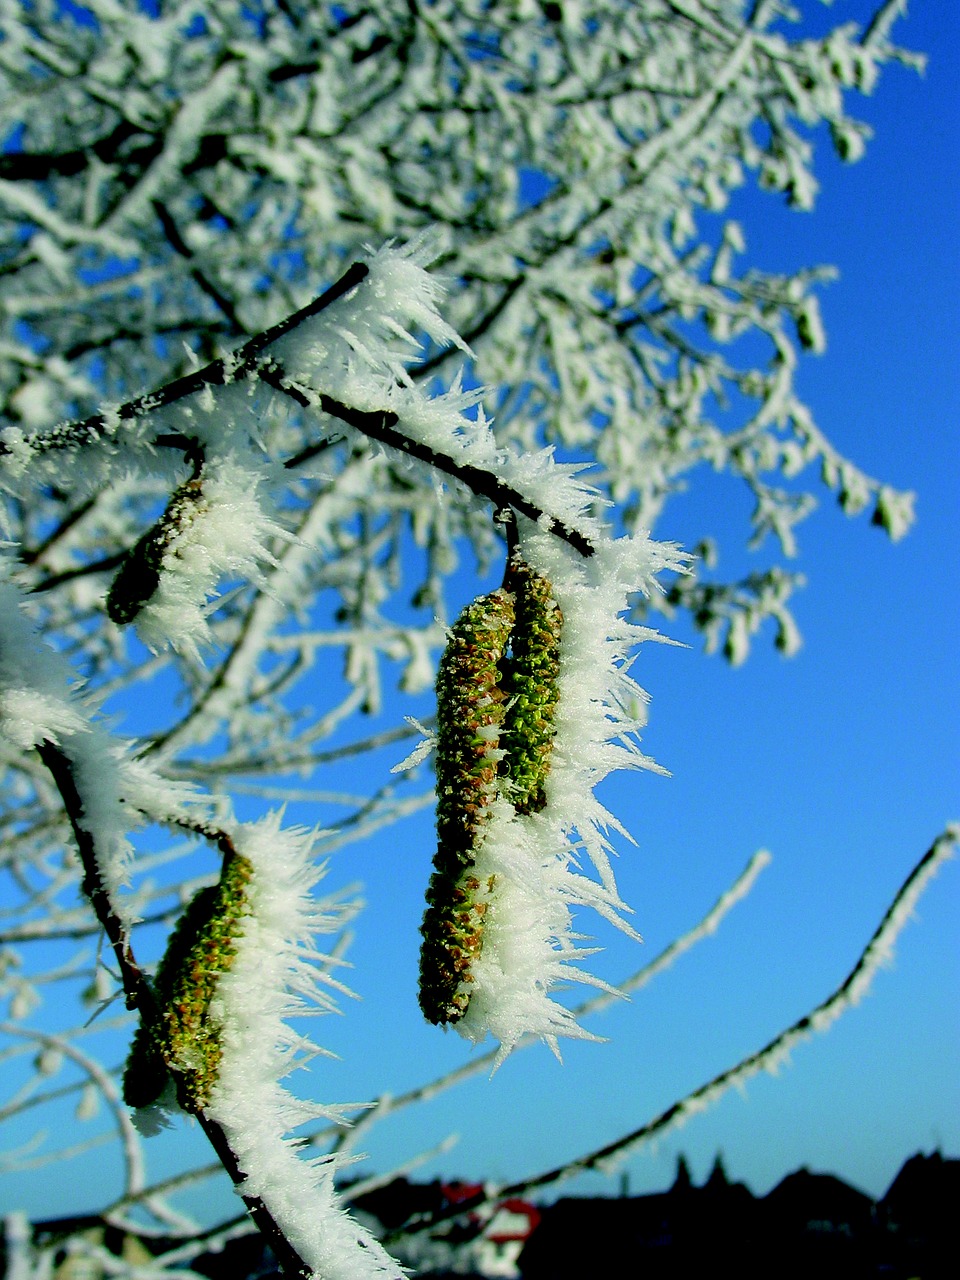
x=183 y=1042
x=214 y=527
x=496 y=693
x=535 y=706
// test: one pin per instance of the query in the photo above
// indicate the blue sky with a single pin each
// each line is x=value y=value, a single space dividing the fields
x=844 y=761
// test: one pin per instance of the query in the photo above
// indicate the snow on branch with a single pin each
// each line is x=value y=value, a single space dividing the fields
x=343 y=360
x=274 y=976
x=877 y=953
x=213 y=1030
x=107 y=790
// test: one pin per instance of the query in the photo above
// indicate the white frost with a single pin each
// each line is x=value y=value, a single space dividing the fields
x=224 y=536
x=274 y=976
x=533 y=860
x=117 y=791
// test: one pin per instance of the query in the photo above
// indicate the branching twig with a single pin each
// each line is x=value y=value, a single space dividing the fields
x=877 y=951
x=136 y=988
x=378 y=425
x=381 y=425
x=847 y=994
x=217 y=373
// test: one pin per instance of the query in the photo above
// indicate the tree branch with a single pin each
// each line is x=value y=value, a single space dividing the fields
x=381 y=425
x=217 y=373
x=139 y=994
x=137 y=990
x=378 y=425
x=848 y=993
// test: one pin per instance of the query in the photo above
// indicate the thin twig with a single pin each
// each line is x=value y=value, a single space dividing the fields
x=381 y=425
x=850 y=991
x=217 y=373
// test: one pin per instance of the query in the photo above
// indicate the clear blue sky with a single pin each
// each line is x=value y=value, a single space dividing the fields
x=844 y=761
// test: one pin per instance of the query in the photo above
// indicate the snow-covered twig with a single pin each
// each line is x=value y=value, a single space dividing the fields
x=105 y=425
x=875 y=954
x=129 y=1138
x=255 y=360
x=854 y=987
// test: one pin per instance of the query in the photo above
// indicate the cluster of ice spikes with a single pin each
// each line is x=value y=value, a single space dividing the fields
x=242 y=961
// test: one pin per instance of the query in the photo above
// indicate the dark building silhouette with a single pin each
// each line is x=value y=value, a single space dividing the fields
x=685 y=1230
x=918 y=1216
x=810 y=1226
x=818 y=1226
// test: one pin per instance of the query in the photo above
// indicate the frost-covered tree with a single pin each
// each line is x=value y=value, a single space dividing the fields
x=240 y=445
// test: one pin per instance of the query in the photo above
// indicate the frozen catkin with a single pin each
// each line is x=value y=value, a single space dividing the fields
x=138 y=577
x=470 y=713
x=496 y=694
x=535 y=707
x=243 y=961
x=183 y=1041
x=216 y=527
x=530 y=687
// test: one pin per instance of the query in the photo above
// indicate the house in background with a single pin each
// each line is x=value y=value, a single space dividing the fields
x=920 y=1218
x=504 y=1236
x=481 y=1241
x=809 y=1227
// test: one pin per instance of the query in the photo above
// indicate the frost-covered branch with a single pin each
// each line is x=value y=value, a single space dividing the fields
x=261 y=167
x=135 y=986
x=254 y=361
x=874 y=956
x=772 y=1056
x=218 y=373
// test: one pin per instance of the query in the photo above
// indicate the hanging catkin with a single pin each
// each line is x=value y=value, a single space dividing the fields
x=496 y=696
x=183 y=1042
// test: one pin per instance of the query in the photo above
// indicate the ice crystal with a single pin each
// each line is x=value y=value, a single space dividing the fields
x=276 y=973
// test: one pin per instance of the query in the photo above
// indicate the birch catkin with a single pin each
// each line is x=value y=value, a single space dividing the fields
x=470 y=708
x=530 y=684
x=496 y=696
x=183 y=1042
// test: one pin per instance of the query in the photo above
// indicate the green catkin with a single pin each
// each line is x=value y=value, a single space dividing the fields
x=183 y=1042
x=138 y=577
x=530 y=685
x=145 y=1075
x=496 y=700
x=470 y=707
